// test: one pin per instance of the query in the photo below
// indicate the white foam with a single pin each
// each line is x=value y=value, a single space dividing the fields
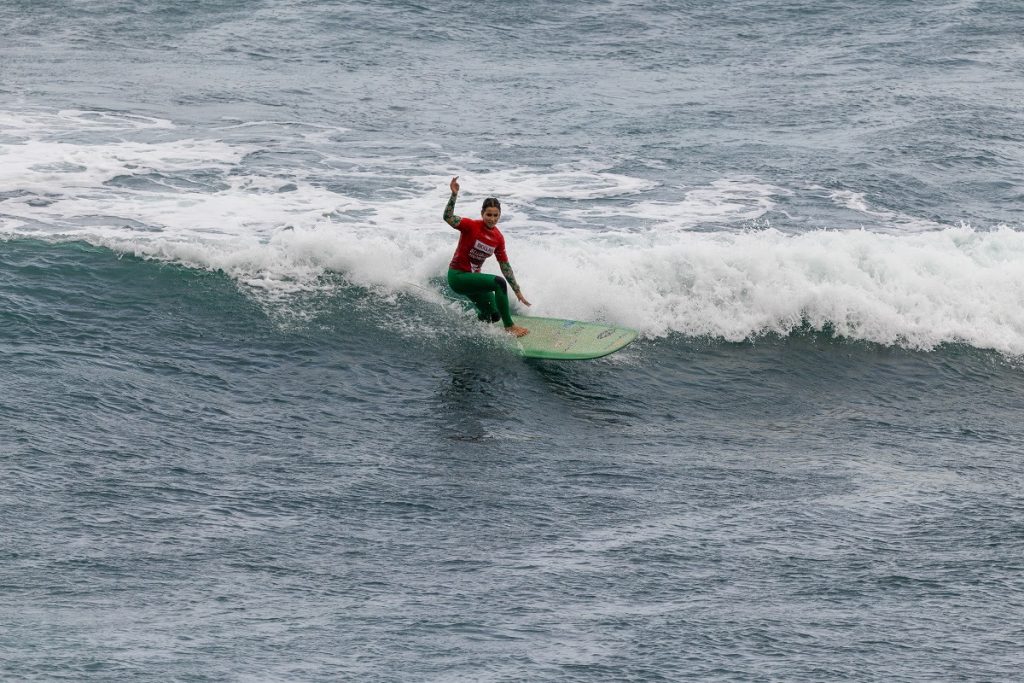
x=884 y=219
x=917 y=291
x=727 y=200
x=76 y=120
x=48 y=167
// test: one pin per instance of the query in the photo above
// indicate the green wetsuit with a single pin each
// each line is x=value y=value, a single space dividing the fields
x=489 y=294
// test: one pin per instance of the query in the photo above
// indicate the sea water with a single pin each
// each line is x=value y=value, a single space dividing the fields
x=244 y=435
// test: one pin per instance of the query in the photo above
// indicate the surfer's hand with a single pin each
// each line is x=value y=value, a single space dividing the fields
x=522 y=299
x=455 y=185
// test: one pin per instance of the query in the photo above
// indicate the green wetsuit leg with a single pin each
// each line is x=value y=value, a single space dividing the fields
x=488 y=292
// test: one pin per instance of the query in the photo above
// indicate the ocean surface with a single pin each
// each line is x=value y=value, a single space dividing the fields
x=246 y=435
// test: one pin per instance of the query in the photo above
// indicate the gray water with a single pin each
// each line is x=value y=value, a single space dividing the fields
x=244 y=435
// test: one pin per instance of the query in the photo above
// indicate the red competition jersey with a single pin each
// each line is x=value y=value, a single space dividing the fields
x=476 y=243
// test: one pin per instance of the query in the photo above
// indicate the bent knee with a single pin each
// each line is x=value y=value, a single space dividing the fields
x=502 y=285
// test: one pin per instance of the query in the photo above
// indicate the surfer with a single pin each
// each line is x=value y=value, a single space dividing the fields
x=480 y=239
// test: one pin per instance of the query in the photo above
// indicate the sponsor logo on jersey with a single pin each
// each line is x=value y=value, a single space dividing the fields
x=484 y=247
x=479 y=252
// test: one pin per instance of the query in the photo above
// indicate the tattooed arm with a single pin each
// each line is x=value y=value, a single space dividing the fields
x=506 y=270
x=449 y=211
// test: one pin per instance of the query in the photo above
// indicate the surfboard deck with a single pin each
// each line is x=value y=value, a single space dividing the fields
x=557 y=339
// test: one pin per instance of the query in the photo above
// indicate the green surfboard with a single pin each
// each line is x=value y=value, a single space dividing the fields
x=556 y=339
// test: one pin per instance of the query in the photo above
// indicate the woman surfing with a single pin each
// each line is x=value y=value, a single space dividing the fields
x=480 y=239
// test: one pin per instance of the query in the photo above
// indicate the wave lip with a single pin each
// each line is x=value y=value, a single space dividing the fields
x=917 y=291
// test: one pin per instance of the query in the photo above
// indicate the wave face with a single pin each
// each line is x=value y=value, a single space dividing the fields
x=245 y=433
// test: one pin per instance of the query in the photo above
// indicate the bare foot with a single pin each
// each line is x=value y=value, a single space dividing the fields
x=517 y=331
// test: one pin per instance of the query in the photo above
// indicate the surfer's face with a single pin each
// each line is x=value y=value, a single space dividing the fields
x=490 y=215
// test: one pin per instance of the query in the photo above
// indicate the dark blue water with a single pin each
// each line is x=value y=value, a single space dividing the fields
x=244 y=436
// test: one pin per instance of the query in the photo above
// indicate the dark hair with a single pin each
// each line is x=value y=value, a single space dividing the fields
x=489 y=202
